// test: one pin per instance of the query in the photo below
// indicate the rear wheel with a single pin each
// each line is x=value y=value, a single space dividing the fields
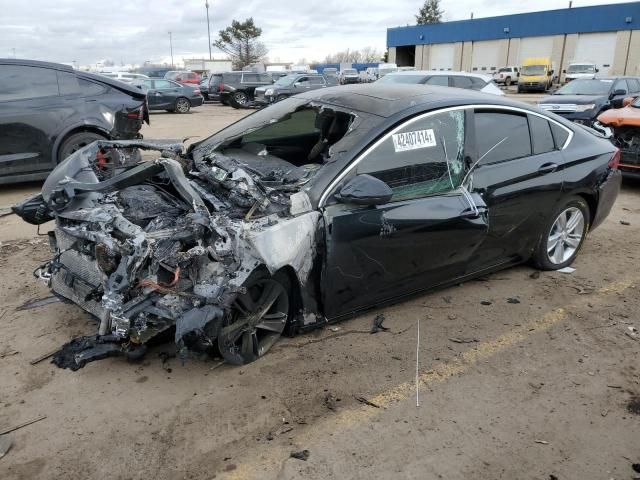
x=183 y=105
x=77 y=141
x=257 y=319
x=564 y=235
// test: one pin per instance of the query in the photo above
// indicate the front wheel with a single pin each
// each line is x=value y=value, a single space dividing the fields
x=507 y=82
x=279 y=98
x=257 y=320
x=563 y=236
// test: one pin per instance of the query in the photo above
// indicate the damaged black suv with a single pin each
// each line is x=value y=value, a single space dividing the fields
x=311 y=210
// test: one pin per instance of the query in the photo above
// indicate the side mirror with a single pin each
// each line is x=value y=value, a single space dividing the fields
x=564 y=71
x=365 y=190
x=597 y=70
x=617 y=93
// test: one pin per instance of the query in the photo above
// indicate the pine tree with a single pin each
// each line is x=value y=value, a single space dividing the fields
x=429 y=13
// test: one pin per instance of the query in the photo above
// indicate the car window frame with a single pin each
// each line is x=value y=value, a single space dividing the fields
x=506 y=160
x=333 y=184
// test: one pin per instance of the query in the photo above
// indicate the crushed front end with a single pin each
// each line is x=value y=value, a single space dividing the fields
x=148 y=246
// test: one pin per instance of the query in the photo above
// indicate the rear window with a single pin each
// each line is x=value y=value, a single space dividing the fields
x=89 y=89
x=541 y=135
x=461 y=82
x=250 y=77
x=231 y=77
x=68 y=83
x=19 y=82
x=560 y=135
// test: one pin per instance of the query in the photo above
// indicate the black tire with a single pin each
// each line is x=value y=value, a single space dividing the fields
x=182 y=105
x=241 y=98
x=243 y=341
x=279 y=98
x=544 y=251
x=75 y=142
x=507 y=82
x=520 y=90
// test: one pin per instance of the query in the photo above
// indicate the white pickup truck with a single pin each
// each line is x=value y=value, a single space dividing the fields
x=507 y=75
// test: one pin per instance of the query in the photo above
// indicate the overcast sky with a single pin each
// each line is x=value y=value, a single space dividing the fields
x=134 y=31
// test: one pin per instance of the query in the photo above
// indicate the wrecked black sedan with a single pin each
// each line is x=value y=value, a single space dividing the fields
x=311 y=210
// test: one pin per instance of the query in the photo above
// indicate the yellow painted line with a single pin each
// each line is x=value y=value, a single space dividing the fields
x=438 y=374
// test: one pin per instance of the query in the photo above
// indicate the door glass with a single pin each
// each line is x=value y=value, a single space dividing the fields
x=442 y=80
x=541 y=135
x=461 y=82
x=422 y=158
x=316 y=81
x=160 y=84
x=20 y=83
x=501 y=136
x=560 y=135
x=264 y=78
x=250 y=78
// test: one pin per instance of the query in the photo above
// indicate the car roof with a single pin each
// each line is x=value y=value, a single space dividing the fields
x=36 y=63
x=388 y=99
x=486 y=78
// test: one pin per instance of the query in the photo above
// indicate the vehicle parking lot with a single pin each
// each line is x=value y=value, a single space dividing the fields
x=524 y=374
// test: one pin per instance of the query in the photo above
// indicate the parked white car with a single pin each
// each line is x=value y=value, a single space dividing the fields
x=507 y=75
x=577 y=70
x=471 y=81
x=125 y=77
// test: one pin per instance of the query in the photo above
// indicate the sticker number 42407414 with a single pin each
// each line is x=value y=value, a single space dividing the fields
x=413 y=140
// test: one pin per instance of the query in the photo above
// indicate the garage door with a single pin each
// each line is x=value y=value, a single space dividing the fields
x=535 y=47
x=598 y=48
x=486 y=57
x=441 y=56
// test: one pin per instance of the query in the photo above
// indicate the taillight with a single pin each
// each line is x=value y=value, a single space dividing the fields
x=138 y=114
x=221 y=87
x=614 y=163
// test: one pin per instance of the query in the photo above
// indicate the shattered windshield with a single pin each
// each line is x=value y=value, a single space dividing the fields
x=586 y=87
x=533 y=70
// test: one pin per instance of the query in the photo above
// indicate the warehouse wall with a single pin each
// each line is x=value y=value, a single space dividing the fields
x=623 y=54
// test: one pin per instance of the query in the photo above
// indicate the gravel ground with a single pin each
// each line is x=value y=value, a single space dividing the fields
x=540 y=389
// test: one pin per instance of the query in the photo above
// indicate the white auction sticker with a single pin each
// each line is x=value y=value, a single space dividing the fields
x=413 y=140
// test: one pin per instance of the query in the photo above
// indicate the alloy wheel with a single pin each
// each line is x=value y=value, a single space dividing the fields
x=566 y=235
x=240 y=97
x=257 y=321
x=183 y=105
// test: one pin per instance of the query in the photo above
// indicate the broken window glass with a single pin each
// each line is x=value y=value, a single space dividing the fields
x=422 y=158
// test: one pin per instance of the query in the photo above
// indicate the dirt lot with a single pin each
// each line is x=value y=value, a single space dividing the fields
x=545 y=385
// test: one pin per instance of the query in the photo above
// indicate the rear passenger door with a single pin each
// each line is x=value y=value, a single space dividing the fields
x=165 y=94
x=316 y=82
x=459 y=81
x=519 y=176
x=31 y=114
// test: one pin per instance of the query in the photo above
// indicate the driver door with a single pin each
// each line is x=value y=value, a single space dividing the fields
x=422 y=237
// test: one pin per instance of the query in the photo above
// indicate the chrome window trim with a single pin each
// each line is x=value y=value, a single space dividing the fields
x=364 y=154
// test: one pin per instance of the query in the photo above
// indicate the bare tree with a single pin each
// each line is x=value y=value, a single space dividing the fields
x=364 y=55
x=240 y=42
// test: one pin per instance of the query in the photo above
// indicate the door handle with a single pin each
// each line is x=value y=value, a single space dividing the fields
x=548 y=168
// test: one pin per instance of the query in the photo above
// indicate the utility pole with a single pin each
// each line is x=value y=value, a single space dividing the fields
x=171 y=47
x=206 y=4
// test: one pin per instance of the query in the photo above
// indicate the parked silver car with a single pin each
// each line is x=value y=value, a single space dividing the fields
x=470 y=81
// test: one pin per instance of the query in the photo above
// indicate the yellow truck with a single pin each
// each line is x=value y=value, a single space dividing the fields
x=536 y=74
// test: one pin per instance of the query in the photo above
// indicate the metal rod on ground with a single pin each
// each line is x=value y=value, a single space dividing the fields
x=18 y=427
x=417 y=367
